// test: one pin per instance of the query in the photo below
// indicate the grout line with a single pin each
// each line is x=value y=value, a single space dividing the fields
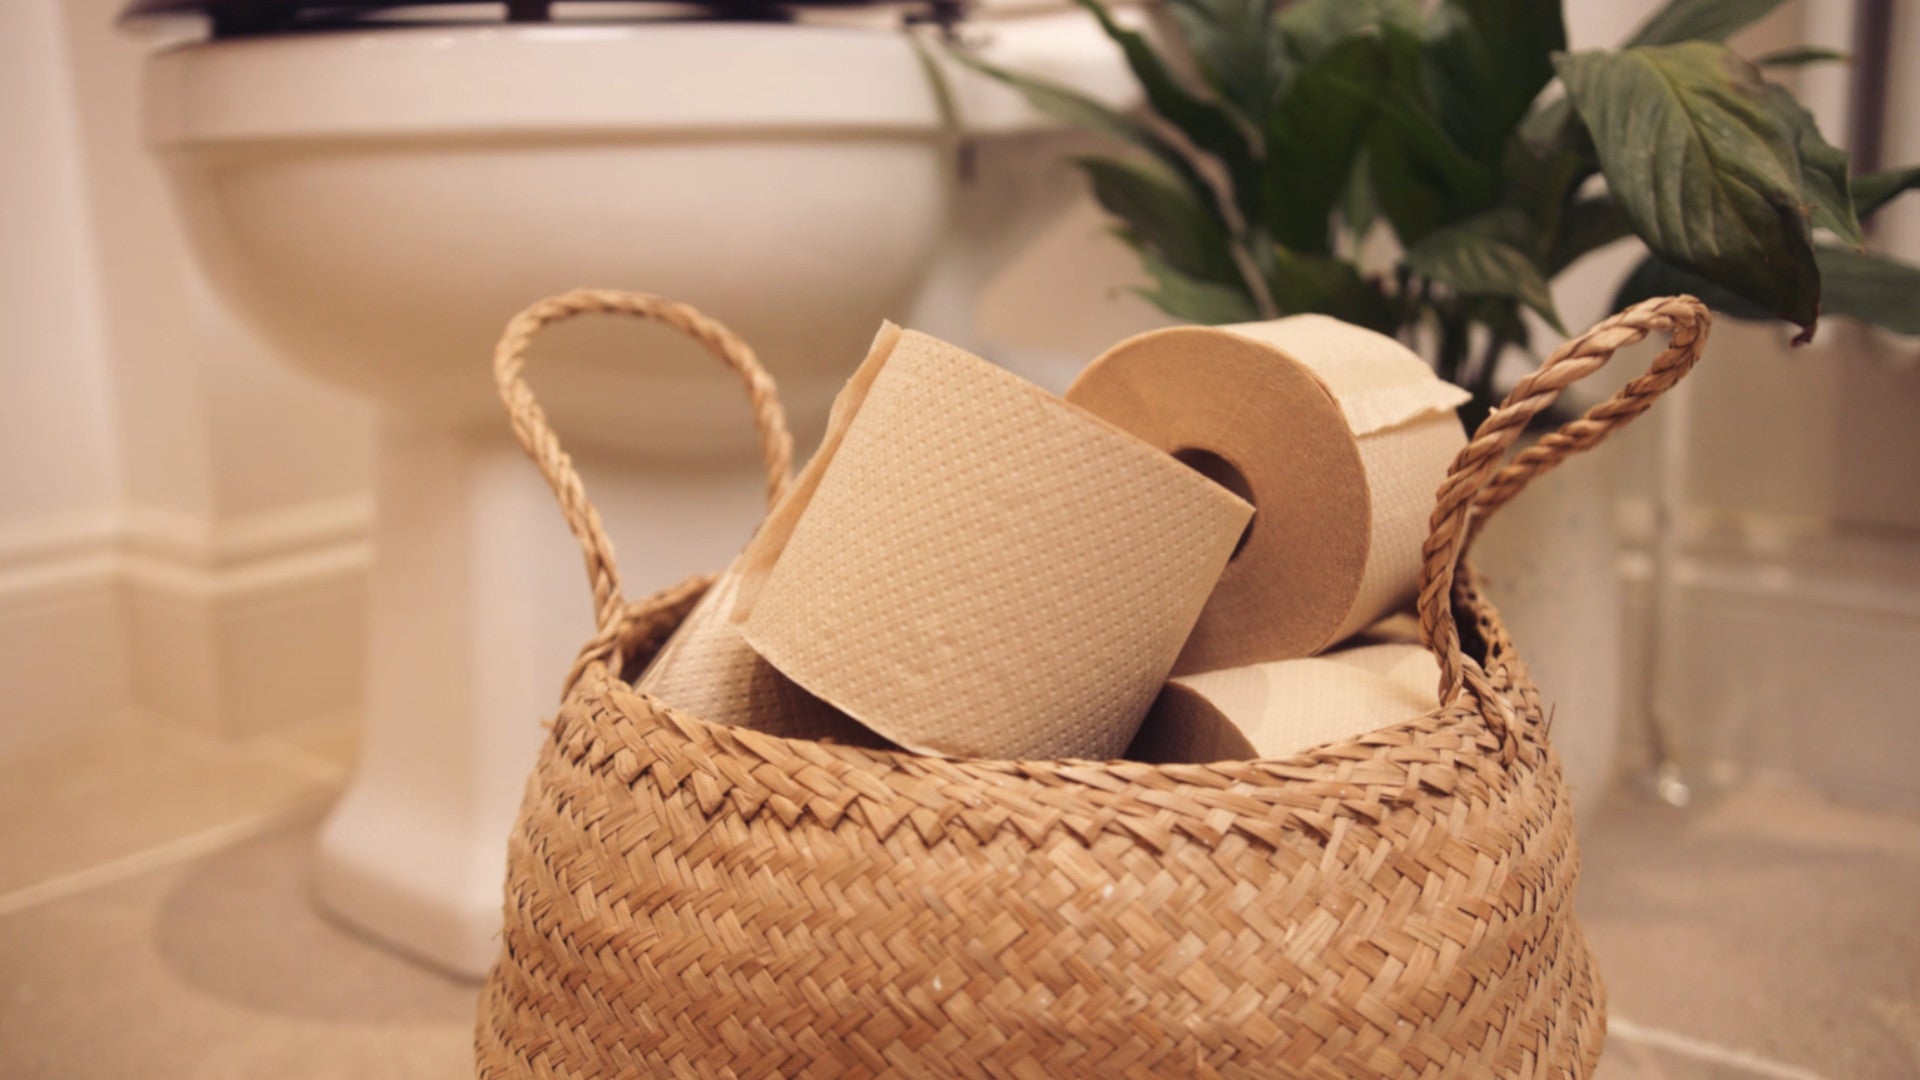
x=1702 y=1050
x=172 y=853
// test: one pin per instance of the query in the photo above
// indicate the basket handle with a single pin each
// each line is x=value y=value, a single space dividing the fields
x=536 y=435
x=1473 y=490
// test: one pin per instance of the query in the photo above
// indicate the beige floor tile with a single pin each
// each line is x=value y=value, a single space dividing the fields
x=1769 y=924
x=219 y=969
x=75 y=803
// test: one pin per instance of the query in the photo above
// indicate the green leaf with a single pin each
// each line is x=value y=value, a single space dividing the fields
x=1540 y=176
x=1421 y=178
x=1699 y=20
x=1655 y=276
x=1541 y=173
x=1357 y=208
x=1196 y=301
x=1328 y=285
x=1871 y=288
x=1485 y=62
x=1823 y=169
x=1589 y=224
x=1237 y=46
x=1312 y=138
x=1209 y=126
x=1472 y=259
x=937 y=82
x=1077 y=110
x=1875 y=190
x=1162 y=218
x=1801 y=56
x=1308 y=28
x=1551 y=124
x=1705 y=171
x=1068 y=106
x=1417 y=186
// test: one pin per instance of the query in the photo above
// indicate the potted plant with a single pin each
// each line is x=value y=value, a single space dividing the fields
x=1428 y=169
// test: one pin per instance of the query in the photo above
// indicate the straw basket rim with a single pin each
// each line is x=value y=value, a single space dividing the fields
x=1365 y=777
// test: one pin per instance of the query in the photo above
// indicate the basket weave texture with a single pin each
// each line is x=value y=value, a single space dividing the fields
x=687 y=899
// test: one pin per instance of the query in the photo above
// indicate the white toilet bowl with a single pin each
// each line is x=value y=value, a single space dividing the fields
x=378 y=200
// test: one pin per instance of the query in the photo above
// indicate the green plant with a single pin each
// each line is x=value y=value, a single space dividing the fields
x=1277 y=140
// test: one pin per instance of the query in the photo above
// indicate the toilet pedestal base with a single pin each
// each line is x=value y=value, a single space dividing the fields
x=479 y=604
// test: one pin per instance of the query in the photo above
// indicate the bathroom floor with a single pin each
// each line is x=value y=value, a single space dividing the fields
x=155 y=922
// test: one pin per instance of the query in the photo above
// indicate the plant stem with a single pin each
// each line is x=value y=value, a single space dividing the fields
x=1489 y=366
x=1483 y=401
x=1408 y=305
x=1422 y=303
x=1452 y=347
x=1256 y=282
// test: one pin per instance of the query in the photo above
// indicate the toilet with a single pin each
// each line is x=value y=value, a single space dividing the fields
x=376 y=188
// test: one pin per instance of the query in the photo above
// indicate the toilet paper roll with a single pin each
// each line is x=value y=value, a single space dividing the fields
x=1339 y=436
x=973 y=567
x=1279 y=708
x=707 y=670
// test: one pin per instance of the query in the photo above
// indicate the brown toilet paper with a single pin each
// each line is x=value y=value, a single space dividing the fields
x=972 y=567
x=707 y=670
x=1338 y=435
x=1279 y=708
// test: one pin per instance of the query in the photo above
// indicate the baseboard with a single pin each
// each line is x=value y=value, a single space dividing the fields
x=233 y=627
x=62 y=655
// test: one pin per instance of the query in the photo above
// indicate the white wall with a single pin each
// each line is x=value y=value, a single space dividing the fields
x=214 y=425
x=57 y=447
x=183 y=520
x=59 y=467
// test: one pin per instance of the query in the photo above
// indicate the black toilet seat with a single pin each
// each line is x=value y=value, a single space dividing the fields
x=249 y=18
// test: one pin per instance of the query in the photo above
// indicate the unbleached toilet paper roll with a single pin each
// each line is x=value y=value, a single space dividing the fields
x=1279 y=708
x=972 y=567
x=1338 y=435
x=707 y=670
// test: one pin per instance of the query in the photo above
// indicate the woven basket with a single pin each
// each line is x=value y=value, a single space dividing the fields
x=687 y=899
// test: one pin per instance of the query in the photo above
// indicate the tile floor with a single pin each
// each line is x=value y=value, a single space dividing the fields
x=155 y=922
x=1768 y=933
